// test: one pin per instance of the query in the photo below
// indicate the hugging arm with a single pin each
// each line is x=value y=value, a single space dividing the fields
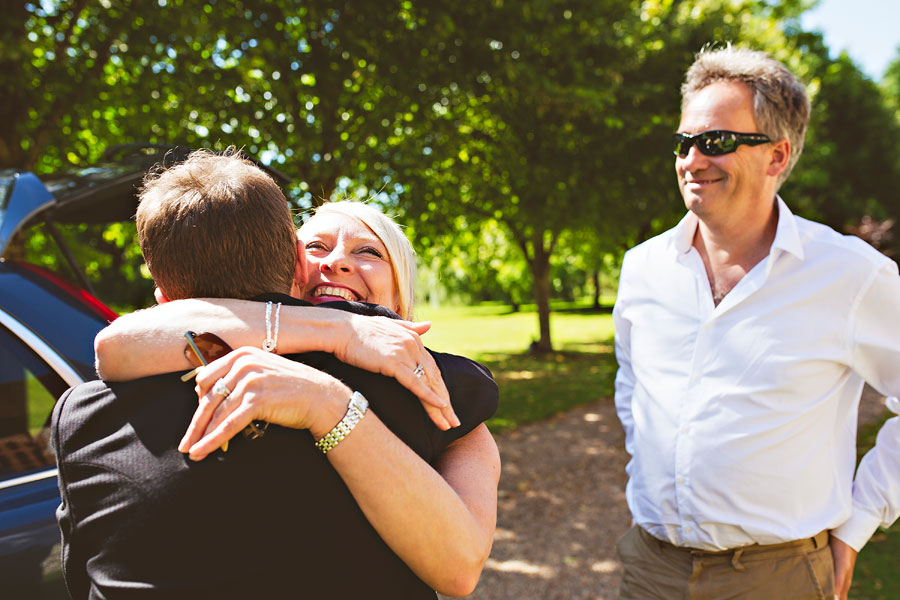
x=440 y=523
x=151 y=341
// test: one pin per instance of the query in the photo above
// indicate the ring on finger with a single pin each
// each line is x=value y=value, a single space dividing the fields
x=419 y=371
x=220 y=389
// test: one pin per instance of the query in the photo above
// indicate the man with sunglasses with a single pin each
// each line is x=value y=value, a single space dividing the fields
x=744 y=336
x=279 y=514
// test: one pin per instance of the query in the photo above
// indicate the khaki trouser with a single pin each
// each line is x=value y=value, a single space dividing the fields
x=794 y=570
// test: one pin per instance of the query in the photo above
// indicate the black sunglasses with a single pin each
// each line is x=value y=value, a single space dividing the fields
x=715 y=142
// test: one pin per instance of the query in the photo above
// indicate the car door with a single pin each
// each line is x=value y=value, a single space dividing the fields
x=46 y=346
x=29 y=535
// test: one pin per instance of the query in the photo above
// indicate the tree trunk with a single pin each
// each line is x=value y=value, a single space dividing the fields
x=540 y=270
x=595 y=277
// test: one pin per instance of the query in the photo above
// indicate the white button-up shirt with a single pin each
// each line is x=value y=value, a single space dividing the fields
x=741 y=418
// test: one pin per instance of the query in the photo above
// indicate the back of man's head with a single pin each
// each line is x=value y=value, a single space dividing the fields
x=216 y=226
x=780 y=103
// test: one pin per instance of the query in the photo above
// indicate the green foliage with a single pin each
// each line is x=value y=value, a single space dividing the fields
x=535 y=132
x=108 y=255
x=890 y=85
x=40 y=403
x=324 y=90
x=852 y=131
x=314 y=85
x=475 y=263
x=478 y=262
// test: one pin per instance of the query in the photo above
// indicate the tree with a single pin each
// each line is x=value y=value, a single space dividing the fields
x=321 y=87
x=325 y=90
x=849 y=168
x=562 y=121
x=549 y=119
x=890 y=84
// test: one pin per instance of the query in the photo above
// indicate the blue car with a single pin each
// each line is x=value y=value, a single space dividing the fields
x=47 y=330
x=46 y=345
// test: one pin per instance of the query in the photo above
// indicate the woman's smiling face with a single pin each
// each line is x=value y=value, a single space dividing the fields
x=346 y=261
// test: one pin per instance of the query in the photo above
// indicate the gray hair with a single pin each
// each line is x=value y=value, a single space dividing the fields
x=780 y=104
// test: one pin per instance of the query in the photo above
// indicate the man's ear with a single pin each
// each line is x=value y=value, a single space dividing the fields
x=301 y=274
x=160 y=297
x=781 y=154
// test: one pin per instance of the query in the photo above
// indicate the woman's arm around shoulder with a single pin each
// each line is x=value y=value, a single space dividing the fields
x=151 y=342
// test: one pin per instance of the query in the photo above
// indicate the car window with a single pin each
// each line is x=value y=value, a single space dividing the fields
x=28 y=390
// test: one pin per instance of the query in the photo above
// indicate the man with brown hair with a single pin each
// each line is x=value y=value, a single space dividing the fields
x=273 y=516
x=213 y=210
x=744 y=336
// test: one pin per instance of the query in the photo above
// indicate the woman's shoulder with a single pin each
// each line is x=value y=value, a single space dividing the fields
x=473 y=392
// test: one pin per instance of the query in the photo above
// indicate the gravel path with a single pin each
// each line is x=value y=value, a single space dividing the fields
x=562 y=506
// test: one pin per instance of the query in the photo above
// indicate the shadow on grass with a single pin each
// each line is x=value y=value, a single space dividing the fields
x=586 y=310
x=574 y=310
x=536 y=387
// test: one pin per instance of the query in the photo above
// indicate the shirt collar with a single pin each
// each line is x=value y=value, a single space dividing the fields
x=787 y=236
x=360 y=308
x=683 y=237
x=283 y=298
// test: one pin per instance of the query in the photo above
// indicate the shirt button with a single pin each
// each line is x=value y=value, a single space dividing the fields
x=680 y=481
x=688 y=529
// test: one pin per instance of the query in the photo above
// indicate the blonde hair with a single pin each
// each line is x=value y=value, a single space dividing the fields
x=400 y=252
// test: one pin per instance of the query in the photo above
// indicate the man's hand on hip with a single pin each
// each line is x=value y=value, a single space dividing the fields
x=844 y=562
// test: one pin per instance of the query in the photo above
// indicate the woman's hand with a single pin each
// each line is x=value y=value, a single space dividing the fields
x=393 y=348
x=265 y=387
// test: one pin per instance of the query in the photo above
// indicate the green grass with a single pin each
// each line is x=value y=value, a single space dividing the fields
x=531 y=388
x=879 y=562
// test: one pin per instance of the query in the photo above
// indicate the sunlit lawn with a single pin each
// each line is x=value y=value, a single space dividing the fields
x=531 y=388
x=582 y=371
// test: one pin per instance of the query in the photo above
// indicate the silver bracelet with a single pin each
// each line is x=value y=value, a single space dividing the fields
x=271 y=342
x=356 y=410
